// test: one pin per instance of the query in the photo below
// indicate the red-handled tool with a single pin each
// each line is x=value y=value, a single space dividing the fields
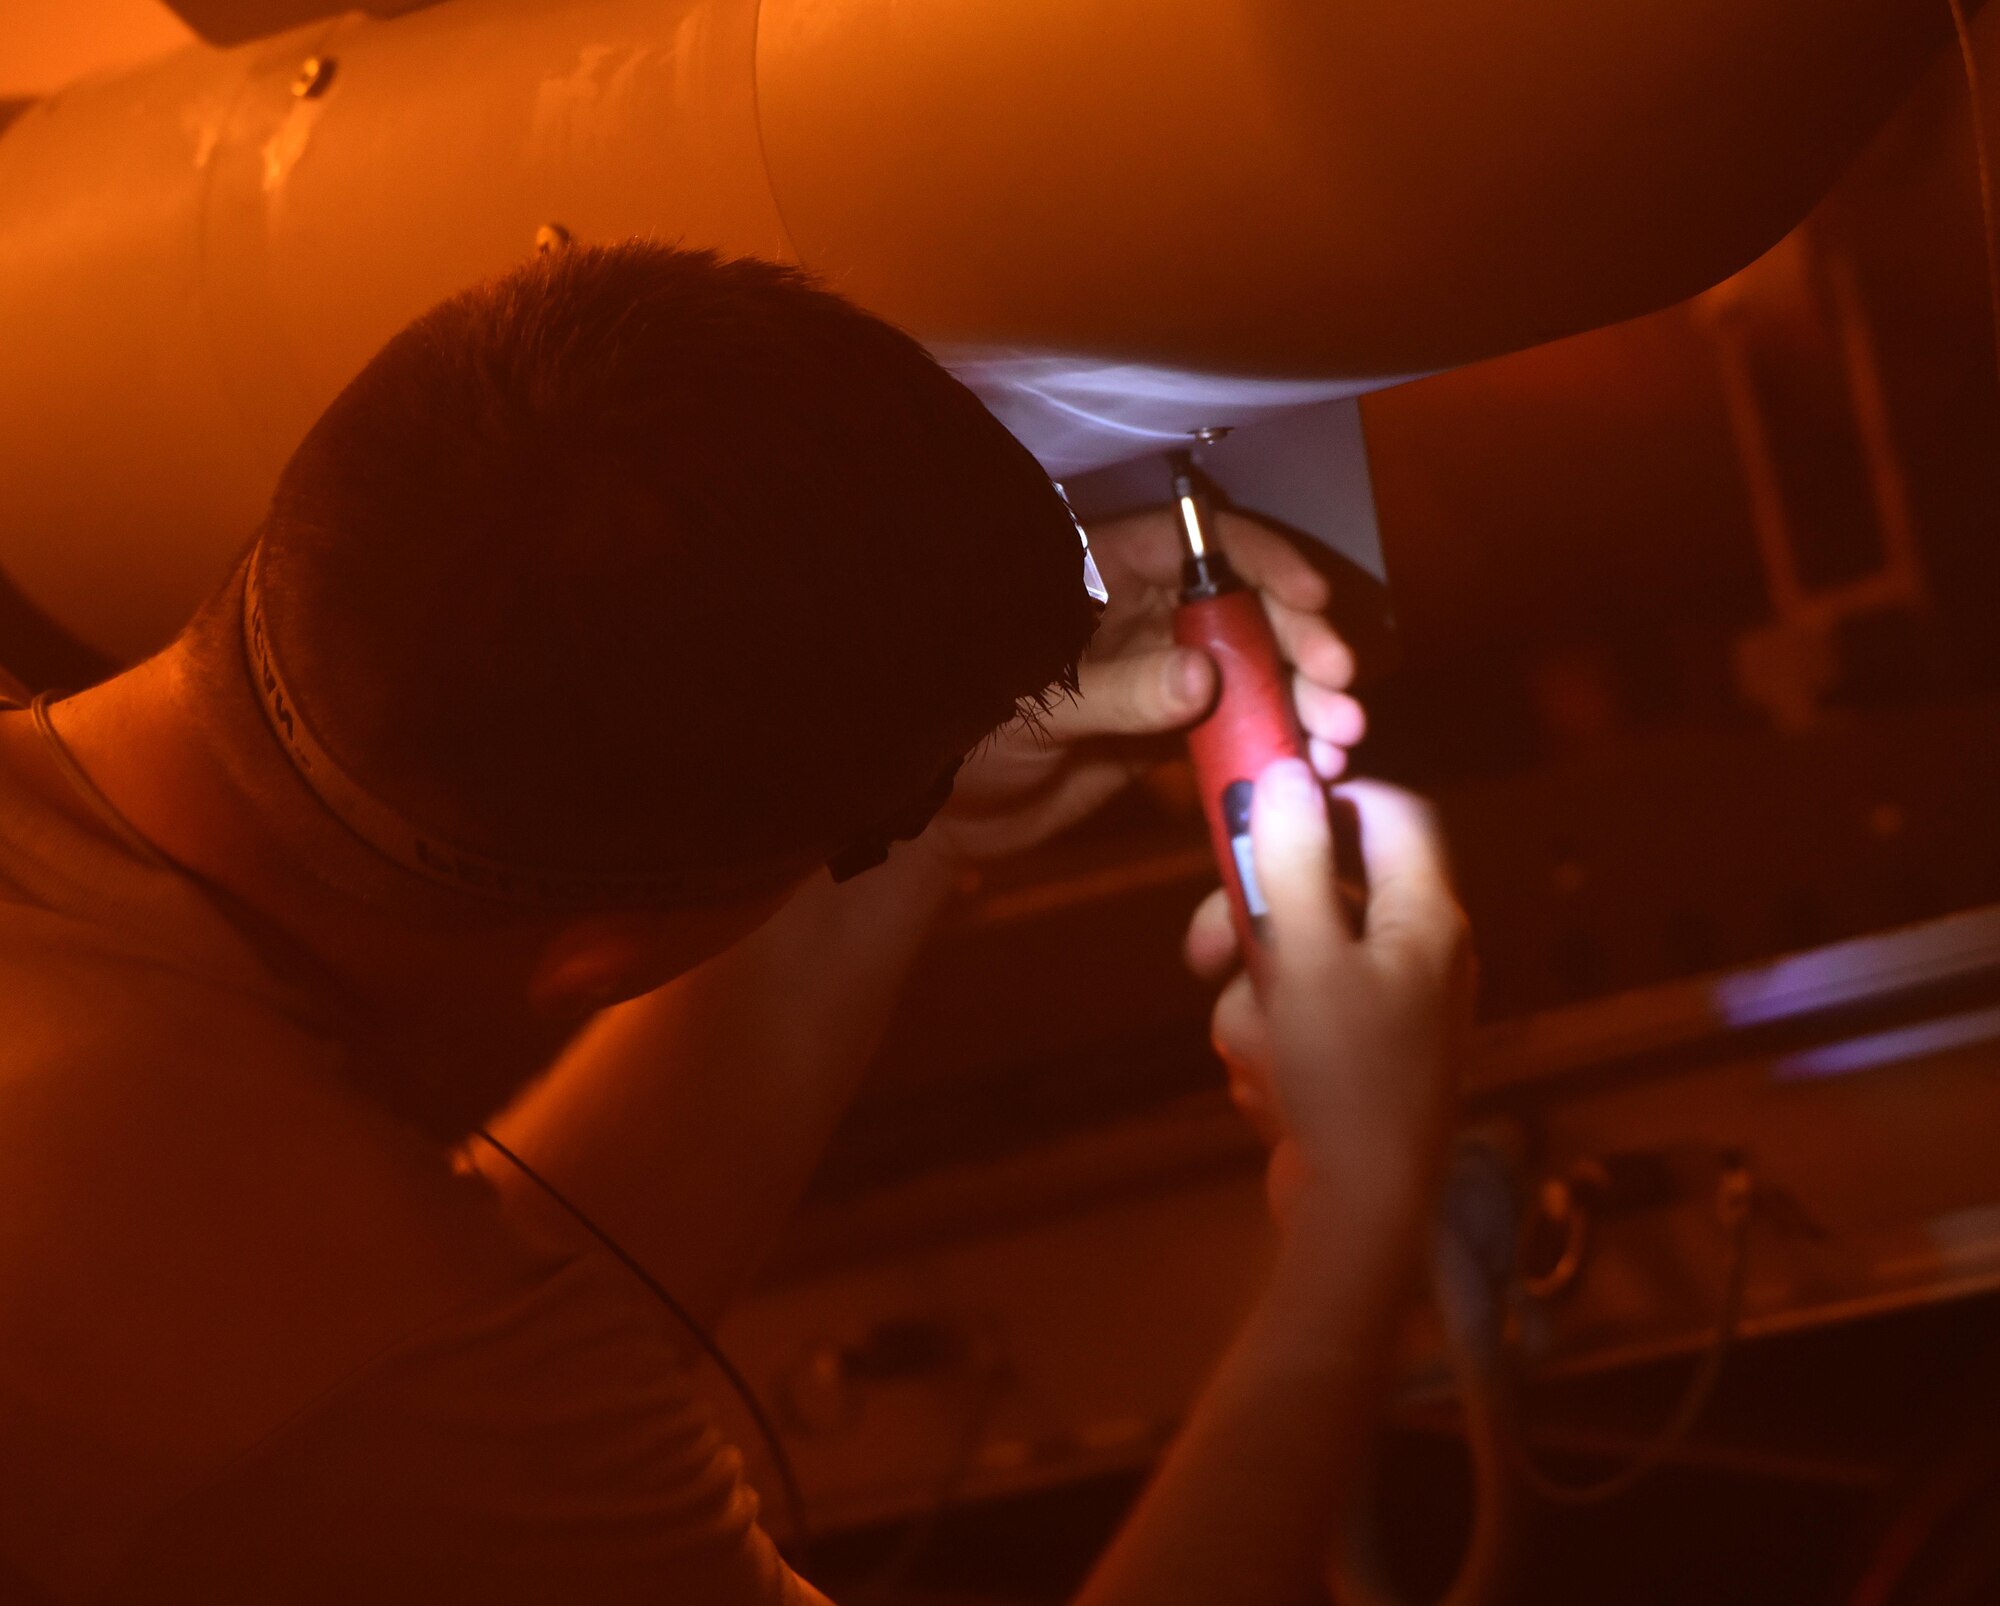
x=1254 y=721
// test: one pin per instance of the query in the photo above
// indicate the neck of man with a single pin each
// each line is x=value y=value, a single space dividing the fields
x=418 y=994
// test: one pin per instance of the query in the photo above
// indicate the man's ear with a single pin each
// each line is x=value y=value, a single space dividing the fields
x=595 y=961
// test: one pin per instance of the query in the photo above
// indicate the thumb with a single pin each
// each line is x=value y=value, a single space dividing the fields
x=1138 y=694
x=1292 y=846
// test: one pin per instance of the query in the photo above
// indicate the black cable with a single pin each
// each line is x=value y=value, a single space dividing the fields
x=1735 y=1206
x=286 y=956
x=795 y=1499
x=1471 y=1255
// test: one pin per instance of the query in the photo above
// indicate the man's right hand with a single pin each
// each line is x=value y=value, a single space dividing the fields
x=1344 y=1054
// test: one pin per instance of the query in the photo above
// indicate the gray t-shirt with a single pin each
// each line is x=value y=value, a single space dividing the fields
x=260 y=1341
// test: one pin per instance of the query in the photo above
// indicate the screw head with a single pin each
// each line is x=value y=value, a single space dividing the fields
x=312 y=78
x=550 y=237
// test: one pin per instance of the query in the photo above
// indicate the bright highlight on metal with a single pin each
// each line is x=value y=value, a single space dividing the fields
x=1191 y=522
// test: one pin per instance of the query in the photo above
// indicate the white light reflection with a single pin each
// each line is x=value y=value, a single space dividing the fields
x=1191 y=522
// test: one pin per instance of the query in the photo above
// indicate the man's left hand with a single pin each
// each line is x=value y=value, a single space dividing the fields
x=1034 y=779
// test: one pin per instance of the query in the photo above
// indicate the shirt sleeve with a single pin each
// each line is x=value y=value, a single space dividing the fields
x=538 y=1447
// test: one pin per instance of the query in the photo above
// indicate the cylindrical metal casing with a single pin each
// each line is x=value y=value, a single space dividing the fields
x=194 y=258
x=1119 y=219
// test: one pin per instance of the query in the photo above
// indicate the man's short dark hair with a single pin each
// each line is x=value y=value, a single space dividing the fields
x=638 y=557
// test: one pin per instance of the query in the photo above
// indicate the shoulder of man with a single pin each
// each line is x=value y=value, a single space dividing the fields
x=202 y=1228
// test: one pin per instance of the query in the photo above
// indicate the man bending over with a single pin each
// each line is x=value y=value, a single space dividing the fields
x=610 y=606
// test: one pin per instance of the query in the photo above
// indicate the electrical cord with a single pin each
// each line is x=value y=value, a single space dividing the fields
x=795 y=1501
x=1733 y=1204
x=1471 y=1253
